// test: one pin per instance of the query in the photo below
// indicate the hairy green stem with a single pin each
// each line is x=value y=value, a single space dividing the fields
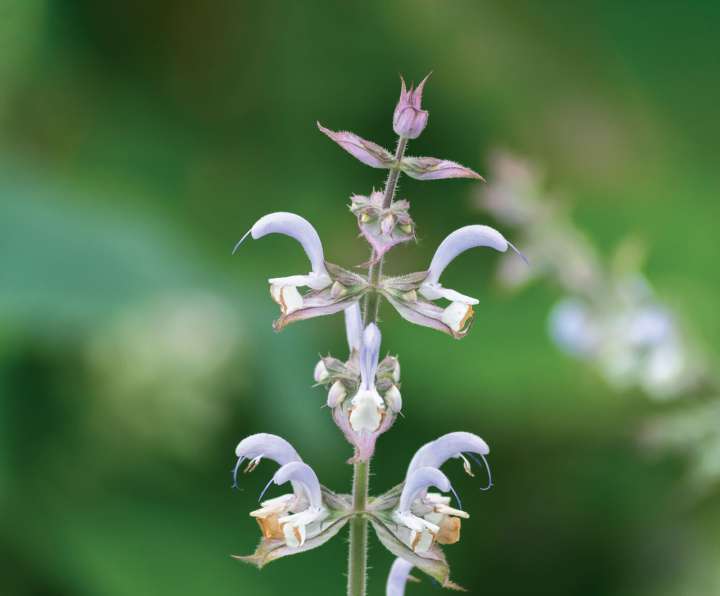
x=372 y=300
x=357 y=559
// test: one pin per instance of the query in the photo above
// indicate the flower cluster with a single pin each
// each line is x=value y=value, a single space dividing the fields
x=611 y=317
x=363 y=390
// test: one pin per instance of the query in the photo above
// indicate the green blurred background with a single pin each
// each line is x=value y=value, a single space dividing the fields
x=140 y=139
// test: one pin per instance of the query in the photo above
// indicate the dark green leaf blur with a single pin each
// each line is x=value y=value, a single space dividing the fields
x=139 y=140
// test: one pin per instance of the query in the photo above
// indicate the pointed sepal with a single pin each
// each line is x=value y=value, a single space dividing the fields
x=432 y=562
x=369 y=153
x=432 y=168
x=270 y=550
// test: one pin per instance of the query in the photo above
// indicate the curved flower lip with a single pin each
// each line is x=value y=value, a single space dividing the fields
x=371 y=154
x=353 y=326
x=451 y=445
x=458 y=242
x=398 y=577
x=302 y=474
x=267 y=445
x=418 y=482
x=290 y=224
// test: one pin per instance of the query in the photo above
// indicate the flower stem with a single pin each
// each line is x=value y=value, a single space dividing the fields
x=372 y=301
x=357 y=559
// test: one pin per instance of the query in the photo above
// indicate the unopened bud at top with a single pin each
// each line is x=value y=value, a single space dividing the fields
x=409 y=120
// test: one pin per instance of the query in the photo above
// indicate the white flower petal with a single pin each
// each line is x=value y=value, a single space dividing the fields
x=366 y=411
x=456 y=315
x=435 y=291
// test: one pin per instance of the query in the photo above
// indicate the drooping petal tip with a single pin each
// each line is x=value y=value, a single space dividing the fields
x=245 y=235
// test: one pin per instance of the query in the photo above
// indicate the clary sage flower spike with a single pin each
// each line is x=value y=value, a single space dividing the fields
x=363 y=391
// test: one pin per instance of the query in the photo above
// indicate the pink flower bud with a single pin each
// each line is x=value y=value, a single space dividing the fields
x=409 y=120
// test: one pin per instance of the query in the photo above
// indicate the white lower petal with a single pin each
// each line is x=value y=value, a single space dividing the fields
x=415 y=523
x=294 y=535
x=276 y=506
x=300 y=281
x=366 y=411
x=457 y=315
x=287 y=297
x=295 y=526
x=435 y=291
x=421 y=542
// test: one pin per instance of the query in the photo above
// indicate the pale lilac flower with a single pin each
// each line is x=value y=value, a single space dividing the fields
x=413 y=295
x=332 y=289
x=424 y=518
x=369 y=153
x=398 y=577
x=375 y=399
x=409 y=119
x=631 y=338
x=293 y=517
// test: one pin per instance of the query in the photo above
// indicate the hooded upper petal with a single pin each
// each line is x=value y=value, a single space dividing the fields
x=458 y=242
x=303 y=475
x=418 y=482
x=269 y=446
x=451 y=445
x=298 y=228
x=398 y=577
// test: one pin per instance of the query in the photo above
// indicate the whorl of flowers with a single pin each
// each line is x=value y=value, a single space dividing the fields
x=364 y=391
